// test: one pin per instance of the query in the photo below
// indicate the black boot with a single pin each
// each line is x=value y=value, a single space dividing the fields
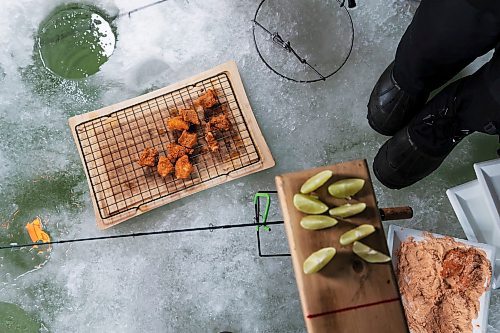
x=420 y=148
x=400 y=163
x=390 y=108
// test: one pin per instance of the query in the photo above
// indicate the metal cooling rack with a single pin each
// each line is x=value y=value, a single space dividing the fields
x=111 y=146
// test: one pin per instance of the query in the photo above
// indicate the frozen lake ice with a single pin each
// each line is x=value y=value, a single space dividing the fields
x=199 y=282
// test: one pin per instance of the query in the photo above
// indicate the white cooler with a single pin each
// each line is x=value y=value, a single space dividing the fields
x=477 y=206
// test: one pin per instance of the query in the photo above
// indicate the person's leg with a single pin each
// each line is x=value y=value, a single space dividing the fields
x=443 y=37
x=475 y=100
x=465 y=106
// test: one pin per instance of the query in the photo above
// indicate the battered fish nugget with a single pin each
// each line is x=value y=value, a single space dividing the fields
x=220 y=122
x=190 y=116
x=176 y=151
x=213 y=145
x=188 y=140
x=207 y=100
x=183 y=168
x=165 y=167
x=214 y=111
x=177 y=124
x=148 y=157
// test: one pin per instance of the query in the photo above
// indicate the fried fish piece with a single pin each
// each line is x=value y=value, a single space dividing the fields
x=213 y=145
x=207 y=100
x=214 y=111
x=183 y=168
x=220 y=122
x=165 y=167
x=148 y=157
x=188 y=139
x=190 y=116
x=177 y=124
x=176 y=151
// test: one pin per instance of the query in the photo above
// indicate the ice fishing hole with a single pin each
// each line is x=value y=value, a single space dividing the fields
x=75 y=40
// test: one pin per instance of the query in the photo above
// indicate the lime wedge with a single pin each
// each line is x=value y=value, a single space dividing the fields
x=316 y=261
x=356 y=234
x=316 y=181
x=317 y=222
x=308 y=204
x=347 y=210
x=368 y=254
x=346 y=188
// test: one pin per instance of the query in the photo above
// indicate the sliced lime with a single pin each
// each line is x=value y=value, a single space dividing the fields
x=309 y=205
x=368 y=254
x=347 y=210
x=317 y=222
x=356 y=234
x=316 y=181
x=316 y=261
x=346 y=188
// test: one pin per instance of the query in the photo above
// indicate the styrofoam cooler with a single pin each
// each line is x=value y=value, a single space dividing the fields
x=477 y=206
x=488 y=175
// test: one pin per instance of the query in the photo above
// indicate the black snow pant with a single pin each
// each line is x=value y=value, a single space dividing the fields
x=444 y=37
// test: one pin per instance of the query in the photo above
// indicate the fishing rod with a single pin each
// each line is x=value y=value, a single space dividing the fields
x=141 y=234
x=260 y=221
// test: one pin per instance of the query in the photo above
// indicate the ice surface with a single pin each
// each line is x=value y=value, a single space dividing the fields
x=105 y=34
x=200 y=282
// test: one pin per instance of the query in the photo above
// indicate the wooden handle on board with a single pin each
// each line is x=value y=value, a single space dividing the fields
x=396 y=213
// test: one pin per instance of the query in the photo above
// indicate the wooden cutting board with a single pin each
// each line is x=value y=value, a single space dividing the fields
x=348 y=295
x=110 y=140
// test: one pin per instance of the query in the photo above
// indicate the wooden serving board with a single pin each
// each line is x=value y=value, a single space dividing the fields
x=348 y=295
x=111 y=139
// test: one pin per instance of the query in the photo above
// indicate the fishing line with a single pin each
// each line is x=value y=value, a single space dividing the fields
x=141 y=234
x=129 y=13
